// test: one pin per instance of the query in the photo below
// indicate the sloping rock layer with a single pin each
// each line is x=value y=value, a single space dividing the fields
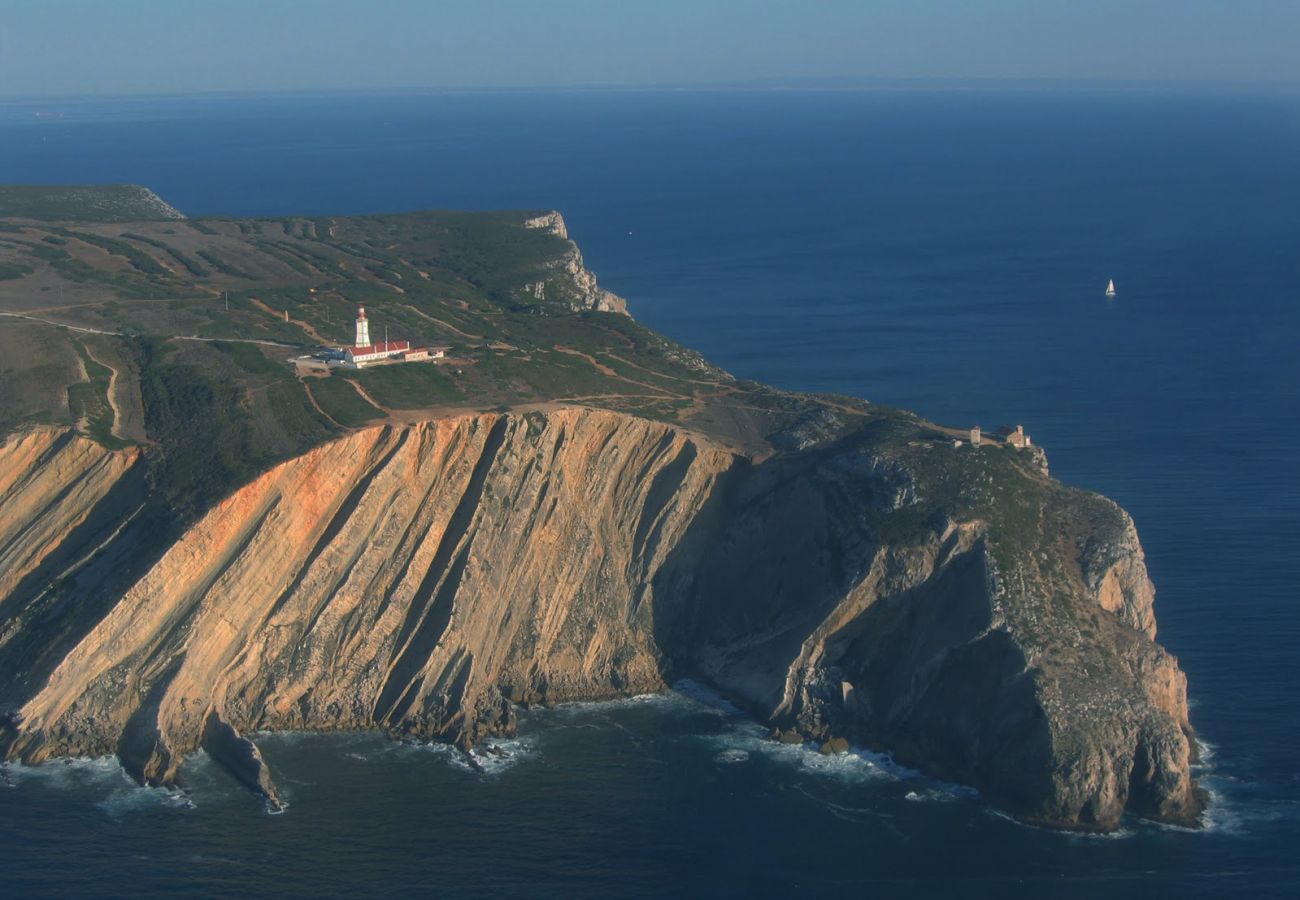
x=426 y=579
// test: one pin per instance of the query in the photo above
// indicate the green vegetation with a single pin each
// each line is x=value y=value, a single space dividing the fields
x=294 y=415
x=12 y=270
x=290 y=258
x=252 y=360
x=221 y=265
x=409 y=386
x=221 y=402
x=126 y=272
x=137 y=258
x=190 y=265
x=450 y=279
x=206 y=440
x=49 y=254
x=88 y=400
x=214 y=433
x=82 y=203
x=341 y=402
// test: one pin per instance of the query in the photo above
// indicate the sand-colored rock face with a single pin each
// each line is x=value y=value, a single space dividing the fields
x=423 y=579
x=397 y=578
x=50 y=480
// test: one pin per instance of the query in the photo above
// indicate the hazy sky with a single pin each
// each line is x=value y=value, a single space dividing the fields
x=152 y=46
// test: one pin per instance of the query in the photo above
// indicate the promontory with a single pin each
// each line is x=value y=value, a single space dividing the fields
x=410 y=472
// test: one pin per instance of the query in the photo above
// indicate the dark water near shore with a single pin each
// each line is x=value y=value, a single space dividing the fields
x=944 y=252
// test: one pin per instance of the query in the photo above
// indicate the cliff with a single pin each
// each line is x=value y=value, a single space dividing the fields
x=200 y=540
x=953 y=605
x=572 y=282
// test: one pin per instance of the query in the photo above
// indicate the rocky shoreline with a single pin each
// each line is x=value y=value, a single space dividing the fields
x=954 y=607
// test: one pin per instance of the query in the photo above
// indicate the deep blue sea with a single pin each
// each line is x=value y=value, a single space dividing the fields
x=943 y=251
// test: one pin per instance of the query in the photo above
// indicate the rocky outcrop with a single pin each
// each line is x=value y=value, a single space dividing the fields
x=572 y=283
x=416 y=580
x=1115 y=574
x=66 y=504
x=240 y=757
x=551 y=222
x=50 y=482
x=426 y=579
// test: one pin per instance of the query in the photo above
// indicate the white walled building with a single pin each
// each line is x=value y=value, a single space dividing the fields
x=360 y=356
x=364 y=352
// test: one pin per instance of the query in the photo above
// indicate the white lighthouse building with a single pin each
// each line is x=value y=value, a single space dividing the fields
x=363 y=328
x=364 y=351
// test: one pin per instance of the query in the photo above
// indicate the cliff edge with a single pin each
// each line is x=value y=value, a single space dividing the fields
x=953 y=605
x=569 y=280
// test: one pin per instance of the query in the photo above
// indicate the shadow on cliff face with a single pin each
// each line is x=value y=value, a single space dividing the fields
x=759 y=568
x=927 y=676
x=68 y=594
x=794 y=595
x=829 y=593
x=827 y=590
x=773 y=552
x=431 y=608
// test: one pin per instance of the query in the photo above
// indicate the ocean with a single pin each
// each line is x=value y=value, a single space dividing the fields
x=944 y=251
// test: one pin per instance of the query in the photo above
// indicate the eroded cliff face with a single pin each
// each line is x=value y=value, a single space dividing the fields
x=66 y=504
x=572 y=283
x=424 y=579
x=50 y=481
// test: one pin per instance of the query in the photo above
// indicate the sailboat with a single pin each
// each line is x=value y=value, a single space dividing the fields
x=1110 y=288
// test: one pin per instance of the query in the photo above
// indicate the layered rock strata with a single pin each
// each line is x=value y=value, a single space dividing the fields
x=426 y=579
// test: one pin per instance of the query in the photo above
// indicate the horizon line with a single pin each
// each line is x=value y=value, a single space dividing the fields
x=827 y=84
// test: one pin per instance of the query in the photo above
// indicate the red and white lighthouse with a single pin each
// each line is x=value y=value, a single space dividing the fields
x=364 y=352
x=363 y=328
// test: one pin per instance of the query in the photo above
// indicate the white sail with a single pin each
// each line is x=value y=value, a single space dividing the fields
x=1110 y=288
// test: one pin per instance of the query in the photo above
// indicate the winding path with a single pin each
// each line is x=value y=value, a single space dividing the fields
x=86 y=329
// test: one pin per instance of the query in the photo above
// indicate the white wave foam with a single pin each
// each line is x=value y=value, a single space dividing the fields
x=1224 y=816
x=133 y=798
x=102 y=776
x=438 y=749
x=1119 y=834
x=580 y=707
x=489 y=758
x=69 y=772
x=942 y=794
x=855 y=765
x=730 y=757
x=683 y=696
x=495 y=756
x=1231 y=810
x=706 y=697
x=747 y=739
